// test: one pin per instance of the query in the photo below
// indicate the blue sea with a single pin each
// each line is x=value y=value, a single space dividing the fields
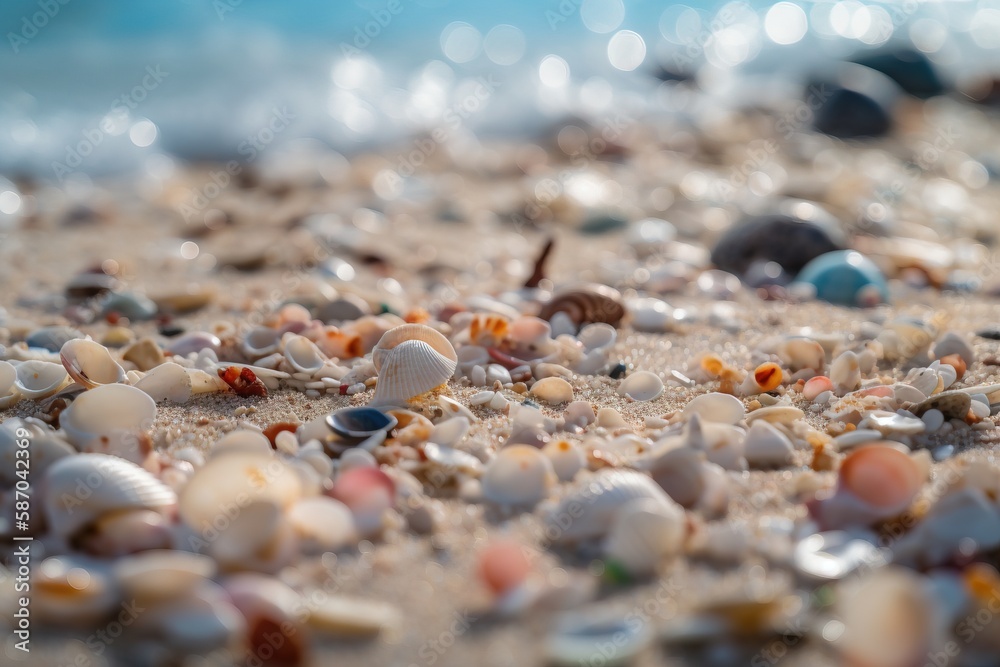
x=98 y=86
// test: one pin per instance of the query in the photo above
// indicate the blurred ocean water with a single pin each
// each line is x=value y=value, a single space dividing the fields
x=91 y=86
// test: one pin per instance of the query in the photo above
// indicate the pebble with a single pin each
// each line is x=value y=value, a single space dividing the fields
x=552 y=390
x=127 y=304
x=751 y=241
x=52 y=338
x=934 y=419
x=858 y=102
x=846 y=278
x=716 y=407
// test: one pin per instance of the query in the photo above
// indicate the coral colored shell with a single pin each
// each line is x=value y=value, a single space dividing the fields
x=816 y=386
x=78 y=490
x=411 y=359
x=38 y=379
x=167 y=382
x=110 y=419
x=520 y=475
x=89 y=363
x=488 y=330
x=641 y=386
x=232 y=481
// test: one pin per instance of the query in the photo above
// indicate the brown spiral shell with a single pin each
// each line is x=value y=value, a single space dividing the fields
x=586 y=305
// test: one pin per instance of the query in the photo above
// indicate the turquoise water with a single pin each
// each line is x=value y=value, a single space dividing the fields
x=127 y=81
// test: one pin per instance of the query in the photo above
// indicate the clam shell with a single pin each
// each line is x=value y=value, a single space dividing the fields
x=167 y=382
x=89 y=363
x=242 y=440
x=567 y=459
x=588 y=509
x=302 y=354
x=110 y=419
x=519 y=475
x=357 y=424
x=411 y=359
x=38 y=379
x=256 y=538
x=645 y=533
x=716 y=407
x=641 y=386
x=800 y=352
x=80 y=489
x=260 y=342
x=233 y=481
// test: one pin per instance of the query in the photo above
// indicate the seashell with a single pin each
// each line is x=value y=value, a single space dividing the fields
x=260 y=342
x=368 y=330
x=952 y=404
x=118 y=534
x=343 y=616
x=799 y=352
x=233 y=481
x=716 y=407
x=837 y=553
x=889 y=423
x=194 y=342
x=9 y=393
x=158 y=575
x=767 y=376
x=651 y=315
x=242 y=440
x=905 y=393
x=552 y=390
x=530 y=335
x=722 y=443
x=110 y=419
x=579 y=637
x=354 y=425
x=845 y=277
x=79 y=490
x=856 y=437
x=567 y=459
x=876 y=482
x=589 y=509
x=453 y=408
x=255 y=538
x=51 y=338
x=776 y=414
x=580 y=413
x=144 y=353
x=66 y=592
x=323 y=523
x=845 y=372
x=597 y=336
x=472 y=355
x=449 y=459
x=586 y=305
x=767 y=447
x=488 y=330
x=816 y=386
x=610 y=418
x=690 y=480
x=889 y=618
x=38 y=379
x=411 y=359
x=302 y=354
x=644 y=533
x=519 y=475
x=960 y=521
x=368 y=492
x=201 y=622
x=203 y=383
x=503 y=566
x=641 y=386
x=274 y=615
x=167 y=382
x=450 y=432
x=546 y=370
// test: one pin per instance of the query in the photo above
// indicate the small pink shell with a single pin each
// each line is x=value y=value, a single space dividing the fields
x=368 y=492
x=882 y=391
x=503 y=566
x=816 y=386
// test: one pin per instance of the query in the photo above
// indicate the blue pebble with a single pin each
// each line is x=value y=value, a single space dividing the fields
x=839 y=277
x=133 y=306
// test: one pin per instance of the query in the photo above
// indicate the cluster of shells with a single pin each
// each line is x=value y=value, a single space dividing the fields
x=203 y=537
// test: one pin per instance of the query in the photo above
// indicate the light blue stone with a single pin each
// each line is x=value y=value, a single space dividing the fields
x=133 y=306
x=839 y=277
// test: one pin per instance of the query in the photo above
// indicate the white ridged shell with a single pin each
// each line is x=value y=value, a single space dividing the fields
x=167 y=382
x=589 y=509
x=38 y=379
x=80 y=489
x=89 y=363
x=302 y=354
x=411 y=359
x=641 y=386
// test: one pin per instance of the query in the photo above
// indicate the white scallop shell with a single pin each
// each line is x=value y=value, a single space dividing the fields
x=109 y=419
x=645 y=533
x=641 y=386
x=411 y=359
x=260 y=342
x=234 y=480
x=90 y=364
x=519 y=475
x=588 y=510
x=81 y=489
x=167 y=382
x=38 y=379
x=302 y=354
x=716 y=407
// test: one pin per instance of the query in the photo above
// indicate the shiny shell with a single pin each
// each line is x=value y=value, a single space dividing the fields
x=232 y=481
x=716 y=407
x=519 y=475
x=110 y=419
x=553 y=390
x=80 y=489
x=641 y=386
x=89 y=363
x=260 y=342
x=302 y=354
x=592 y=303
x=357 y=424
x=411 y=359
x=38 y=379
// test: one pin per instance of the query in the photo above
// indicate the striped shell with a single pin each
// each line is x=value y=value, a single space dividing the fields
x=586 y=305
x=411 y=359
x=80 y=489
x=589 y=509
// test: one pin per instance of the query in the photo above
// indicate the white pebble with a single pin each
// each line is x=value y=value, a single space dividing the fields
x=982 y=398
x=312 y=393
x=478 y=376
x=481 y=398
x=981 y=410
x=498 y=402
x=823 y=398
x=553 y=390
x=716 y=407
x=934 y=419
